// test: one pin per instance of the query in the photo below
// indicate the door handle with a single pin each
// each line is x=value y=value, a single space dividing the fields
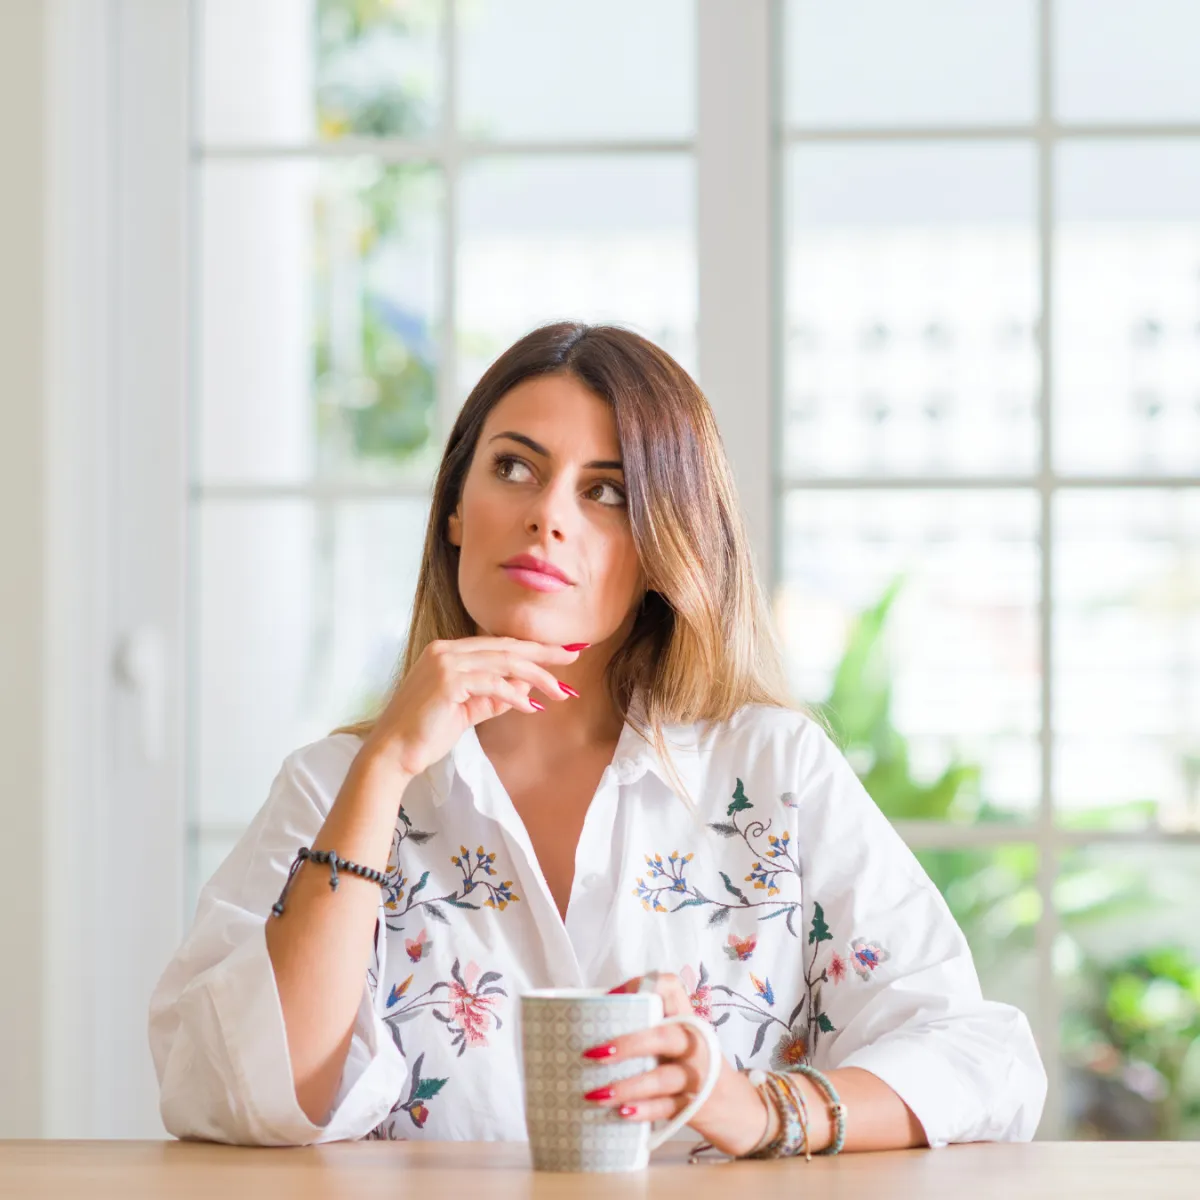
x=141 y=665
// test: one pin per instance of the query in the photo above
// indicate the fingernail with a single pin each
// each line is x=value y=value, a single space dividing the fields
x=614 y=991
x=537 y=704
x=566 y=687
x=627 y=1110
x=577 y=646
x=604 y=1093
x=606 y=1051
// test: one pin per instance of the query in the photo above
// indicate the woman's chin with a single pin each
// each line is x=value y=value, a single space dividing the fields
x=527 y=627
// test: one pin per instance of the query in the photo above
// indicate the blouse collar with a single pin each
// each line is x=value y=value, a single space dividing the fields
x=631 y=760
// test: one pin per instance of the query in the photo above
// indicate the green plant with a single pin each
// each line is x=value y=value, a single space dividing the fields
x=376 y=396
x=1135 y=1022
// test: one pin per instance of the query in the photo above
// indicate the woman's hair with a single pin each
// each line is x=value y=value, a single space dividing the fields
x=701 y=645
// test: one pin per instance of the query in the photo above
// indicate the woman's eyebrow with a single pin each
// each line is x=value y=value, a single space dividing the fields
x=538 y=449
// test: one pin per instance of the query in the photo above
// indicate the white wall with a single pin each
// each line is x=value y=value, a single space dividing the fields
x=22 y=586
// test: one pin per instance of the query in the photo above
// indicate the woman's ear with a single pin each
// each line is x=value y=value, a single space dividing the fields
x=454 y=528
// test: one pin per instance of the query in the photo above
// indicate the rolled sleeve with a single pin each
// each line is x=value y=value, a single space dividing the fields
x=893 y=976
x=217 y=1032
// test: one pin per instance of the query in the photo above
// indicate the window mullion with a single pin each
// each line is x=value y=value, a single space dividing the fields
x=736 y=248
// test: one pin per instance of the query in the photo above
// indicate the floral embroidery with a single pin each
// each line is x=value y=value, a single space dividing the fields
x=672 y=871
x=396 y=882
x=741 y=949
x=790 y=1051
x=866 y=957
x=466 y=1010
x=764 y=874
x=698 y=990
x=417 y=947
x=419 y=1090
x=471 y=1006
x=763 y=988
x=398 y=990
x=799 y=1035
x=468 y=1006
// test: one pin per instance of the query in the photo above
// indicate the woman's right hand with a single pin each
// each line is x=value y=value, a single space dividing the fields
x=456 y=683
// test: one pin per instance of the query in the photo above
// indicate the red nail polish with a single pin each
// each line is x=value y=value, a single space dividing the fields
x=604 y=1093
x=606 y=1051
x=566 y=687
x=537 y=704
x=577 y=646
x=627 y=1110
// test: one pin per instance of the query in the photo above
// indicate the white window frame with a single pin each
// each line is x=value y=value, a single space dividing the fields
x=123 y=214
x=1050 y=839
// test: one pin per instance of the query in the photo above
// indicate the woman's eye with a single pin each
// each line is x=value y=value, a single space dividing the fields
x=504 y=461
x=614 y=488
x=505 y=465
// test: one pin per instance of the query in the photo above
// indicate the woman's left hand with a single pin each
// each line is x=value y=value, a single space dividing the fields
x=734 y=1115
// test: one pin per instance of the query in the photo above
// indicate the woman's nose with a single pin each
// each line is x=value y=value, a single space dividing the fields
x=551 y=511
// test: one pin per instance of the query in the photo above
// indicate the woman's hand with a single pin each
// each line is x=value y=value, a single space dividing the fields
x=456 y=683
x=733 y=1117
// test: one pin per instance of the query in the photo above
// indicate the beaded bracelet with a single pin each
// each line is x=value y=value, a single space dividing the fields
x=798 y=1099
x=784 y=1095
x=793 y=1135
x=837 y=1110
x=335 y=863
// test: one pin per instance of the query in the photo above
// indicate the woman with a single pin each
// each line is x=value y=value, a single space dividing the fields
x=588 y=773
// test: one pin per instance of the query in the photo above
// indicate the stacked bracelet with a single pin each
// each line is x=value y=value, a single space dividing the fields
x=837 y=1110
x=787 y=1098
x=768 y=1099
x=793 y=1134
x=335 y=862
x=798 y=1099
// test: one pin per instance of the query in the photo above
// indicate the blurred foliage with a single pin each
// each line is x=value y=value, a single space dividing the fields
x=377 y=397
x=1131 y=1038
x=358 y=92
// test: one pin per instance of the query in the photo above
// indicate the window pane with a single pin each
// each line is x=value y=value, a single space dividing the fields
x=912 y=304
x=541 y=69
x=1127 y=310
x=320 y=293
x=607 y=238
x=1129 y=967
x=1122 y=61
x=911 y=62
x=994 y=897
x=295 y=70
x=301 y=611
x=913 y=616
x=1127 y=658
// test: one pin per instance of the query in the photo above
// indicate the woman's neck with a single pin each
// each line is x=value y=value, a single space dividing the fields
x=565 y=728
x=578 y=725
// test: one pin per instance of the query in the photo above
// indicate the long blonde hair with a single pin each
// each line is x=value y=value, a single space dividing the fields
x=702 y=644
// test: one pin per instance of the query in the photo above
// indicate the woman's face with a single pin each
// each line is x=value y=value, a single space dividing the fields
x=546 y=481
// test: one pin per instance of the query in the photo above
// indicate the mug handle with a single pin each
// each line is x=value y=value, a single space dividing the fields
x=709 y=1034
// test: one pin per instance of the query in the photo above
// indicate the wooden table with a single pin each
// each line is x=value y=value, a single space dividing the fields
x=500 y=1171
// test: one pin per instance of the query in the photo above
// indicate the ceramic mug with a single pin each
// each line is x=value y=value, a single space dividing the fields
x=566 y=1132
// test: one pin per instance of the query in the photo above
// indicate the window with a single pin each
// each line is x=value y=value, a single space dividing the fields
x=988 y=484
x=385 y=198
x=984 y=509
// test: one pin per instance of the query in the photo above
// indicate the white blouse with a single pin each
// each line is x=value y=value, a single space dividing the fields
x=801 y=925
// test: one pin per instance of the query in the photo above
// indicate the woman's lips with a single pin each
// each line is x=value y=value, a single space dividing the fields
x=537 y=581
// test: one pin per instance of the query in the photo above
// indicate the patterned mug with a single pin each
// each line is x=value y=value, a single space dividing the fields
x=566 y=1132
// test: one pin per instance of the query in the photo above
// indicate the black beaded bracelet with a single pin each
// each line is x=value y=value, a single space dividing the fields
x=335 y=862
